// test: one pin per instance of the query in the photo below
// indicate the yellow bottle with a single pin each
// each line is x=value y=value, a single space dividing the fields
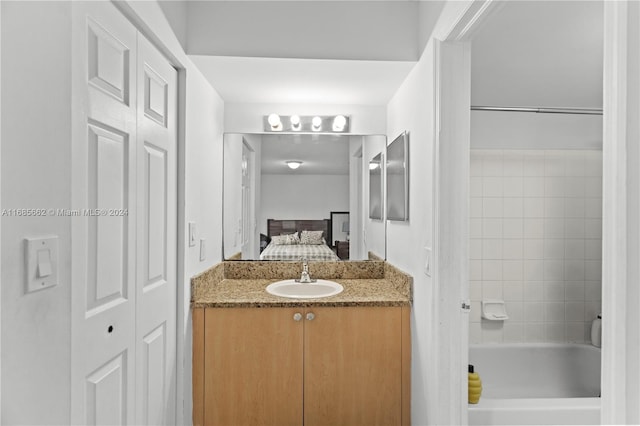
x=475 y=386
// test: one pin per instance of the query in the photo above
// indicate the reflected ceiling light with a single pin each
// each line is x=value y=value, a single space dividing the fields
x=295 y=122
x=373 y=165
x=339 y=122
x=316 y=123
x=275 y=122
x=294 y=164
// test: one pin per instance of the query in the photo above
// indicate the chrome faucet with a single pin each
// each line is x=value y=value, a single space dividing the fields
x=304 y=277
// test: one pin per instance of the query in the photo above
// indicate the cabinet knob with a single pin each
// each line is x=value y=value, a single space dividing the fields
x=310 y=316
x=297 y=316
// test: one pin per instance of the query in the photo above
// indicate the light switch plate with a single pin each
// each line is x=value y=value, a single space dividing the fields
x=203 y=254
x=427 y=261
x=192 y=234
x=41 y=258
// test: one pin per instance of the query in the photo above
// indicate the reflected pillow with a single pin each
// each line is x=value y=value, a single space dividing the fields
x=311 y=237
x=286 y=239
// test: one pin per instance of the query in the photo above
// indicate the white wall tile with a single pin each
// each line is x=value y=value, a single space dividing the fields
x=554 y=186
x=492 y=187
x=492 y=207
x=533 y=186
x=553 y=270
x=533 y=249
x=536 y=243
x=513 y=270
x=512 y=291
x=533 y=270
x=593 y=187
x=512 y=228
x=574 y=207
x=533 y=228
x=574 y=249
x=492 y=290
x=554 y=332
x=533 y=291
x=512 y=249
x=533 y=311
x=554 y=291
x=492 y=228
x=512 y=186
x=512 y=207
x=574 y=311
x=515 y=310
x=492 y=270
x=533 y=207
x=513 y=332
x=574 y=291
x=534 y=332
x=554 y=312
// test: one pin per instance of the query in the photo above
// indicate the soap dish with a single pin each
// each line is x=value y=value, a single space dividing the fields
x=494 y=310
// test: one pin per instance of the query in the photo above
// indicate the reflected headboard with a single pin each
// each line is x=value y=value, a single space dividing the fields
x=279 y=227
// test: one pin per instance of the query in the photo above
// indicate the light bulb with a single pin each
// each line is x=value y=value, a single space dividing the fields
x=295 y=122
x=294 y=164
x=338 y=123
x=373 y=165
x=274 y=121
x=317 y=123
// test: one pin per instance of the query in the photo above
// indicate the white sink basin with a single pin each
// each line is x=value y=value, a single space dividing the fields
x=295 y=290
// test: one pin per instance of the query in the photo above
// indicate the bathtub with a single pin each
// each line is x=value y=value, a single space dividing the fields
x=538 y=383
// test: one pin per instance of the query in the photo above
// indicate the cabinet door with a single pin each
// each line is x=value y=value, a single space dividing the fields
x=353 y=366
x=253 y=366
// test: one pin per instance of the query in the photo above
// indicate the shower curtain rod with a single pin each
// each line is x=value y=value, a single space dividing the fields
x=541 y=110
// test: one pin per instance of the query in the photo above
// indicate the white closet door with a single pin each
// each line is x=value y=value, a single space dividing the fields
x=156 y=237
x=124 y=258
x=104 y=177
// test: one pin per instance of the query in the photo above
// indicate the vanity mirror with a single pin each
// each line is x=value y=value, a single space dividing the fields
x=278 y=185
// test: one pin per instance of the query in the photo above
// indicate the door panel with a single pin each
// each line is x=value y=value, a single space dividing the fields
x=156 y=233
x=253 y=366
x=103 y=386
x=364 y=355
x=103 y=268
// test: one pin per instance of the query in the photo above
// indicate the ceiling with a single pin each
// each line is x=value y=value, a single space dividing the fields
x=320 y=154
x=528 y=53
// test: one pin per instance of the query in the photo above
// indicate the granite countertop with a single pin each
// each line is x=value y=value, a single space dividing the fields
x=365 y=284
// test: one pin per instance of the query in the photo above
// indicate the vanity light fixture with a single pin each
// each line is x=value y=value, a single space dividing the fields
x=306 y=123
x=275 y=122
x=294 y=164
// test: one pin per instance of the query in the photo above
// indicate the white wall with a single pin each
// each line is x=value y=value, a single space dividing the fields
x=518 y=130
x=36 y=164
x=36 y=159
x=302 y=197
x=536 y=243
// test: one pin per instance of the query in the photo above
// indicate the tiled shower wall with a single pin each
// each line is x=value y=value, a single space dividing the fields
x=536 y=242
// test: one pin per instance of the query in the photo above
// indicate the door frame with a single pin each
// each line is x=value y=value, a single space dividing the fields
x=450 y=177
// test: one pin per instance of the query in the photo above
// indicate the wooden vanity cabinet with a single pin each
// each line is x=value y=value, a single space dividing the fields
x=332 y=366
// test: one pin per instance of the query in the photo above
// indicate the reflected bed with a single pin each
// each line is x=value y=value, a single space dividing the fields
x=313 y=252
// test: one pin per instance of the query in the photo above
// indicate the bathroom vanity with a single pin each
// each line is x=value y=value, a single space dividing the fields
x=264 y=359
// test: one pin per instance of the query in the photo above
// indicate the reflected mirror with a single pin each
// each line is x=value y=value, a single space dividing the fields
x=288 y=196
